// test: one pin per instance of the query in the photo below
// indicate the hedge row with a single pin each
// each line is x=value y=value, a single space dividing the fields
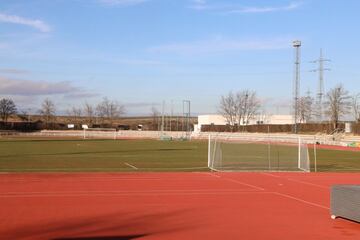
x=39 y=125
x=283 y=128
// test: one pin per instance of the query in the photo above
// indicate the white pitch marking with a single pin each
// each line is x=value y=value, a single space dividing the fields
x=242 y=183
x=297 y=181
x=301 y=200
x=132 y=166
x=307 y=183
x=236 y=181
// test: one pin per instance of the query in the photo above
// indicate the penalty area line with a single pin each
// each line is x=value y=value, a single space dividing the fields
x=132 y=166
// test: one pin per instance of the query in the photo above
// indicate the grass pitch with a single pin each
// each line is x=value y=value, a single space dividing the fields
x=101 y=155
x=69 y=155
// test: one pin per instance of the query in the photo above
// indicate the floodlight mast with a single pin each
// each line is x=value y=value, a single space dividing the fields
x=296 y=84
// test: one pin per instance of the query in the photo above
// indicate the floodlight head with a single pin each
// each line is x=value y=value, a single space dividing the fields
x=296 y=43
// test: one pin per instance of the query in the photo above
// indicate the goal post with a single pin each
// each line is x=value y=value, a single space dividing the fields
x=303 y=158
x=257 y=154
x=214 y=154
x=209 y=149
x=100 y=133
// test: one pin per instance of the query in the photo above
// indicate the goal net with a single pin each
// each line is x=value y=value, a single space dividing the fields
x=99 y=133
x=251 y=154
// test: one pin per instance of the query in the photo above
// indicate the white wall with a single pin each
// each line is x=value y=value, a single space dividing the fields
x=265 y=119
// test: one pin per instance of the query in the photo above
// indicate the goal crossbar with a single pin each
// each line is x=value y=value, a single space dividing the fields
x=100 y=133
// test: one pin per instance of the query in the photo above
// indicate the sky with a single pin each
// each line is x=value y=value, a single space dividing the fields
x=143 y=52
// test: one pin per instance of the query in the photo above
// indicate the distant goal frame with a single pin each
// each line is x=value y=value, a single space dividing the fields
x=101 y=133
x=300 y=164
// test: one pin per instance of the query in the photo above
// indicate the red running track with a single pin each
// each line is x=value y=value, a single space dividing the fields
x=172 y=206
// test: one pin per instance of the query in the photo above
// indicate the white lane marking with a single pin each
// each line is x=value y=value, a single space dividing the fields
x=307 y=183
x=272 y=175
x=242 y=183
x=301 y=200
x=297 y=181
x=132 y=166
x=235 y=181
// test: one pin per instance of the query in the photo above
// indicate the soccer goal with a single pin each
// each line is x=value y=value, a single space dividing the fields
x=99 y=133
x=251 y=154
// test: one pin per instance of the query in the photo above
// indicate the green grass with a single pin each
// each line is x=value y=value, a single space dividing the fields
x=52 y=155
x=101 y=155
x=335 y=160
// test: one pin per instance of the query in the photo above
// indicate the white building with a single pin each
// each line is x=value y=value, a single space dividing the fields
x=258 y=119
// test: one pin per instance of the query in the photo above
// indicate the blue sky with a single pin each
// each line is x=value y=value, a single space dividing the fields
x=141 y=52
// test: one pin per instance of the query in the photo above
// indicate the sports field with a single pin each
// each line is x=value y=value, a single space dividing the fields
x=69 y=155
x=147 y=189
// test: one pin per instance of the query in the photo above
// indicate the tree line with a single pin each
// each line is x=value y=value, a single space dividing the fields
x=240 y=107
x=104 y=112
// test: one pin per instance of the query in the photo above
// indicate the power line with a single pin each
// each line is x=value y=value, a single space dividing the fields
x=321 y=89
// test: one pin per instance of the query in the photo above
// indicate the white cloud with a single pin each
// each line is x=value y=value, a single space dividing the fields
x=289 y=7
x=199 y=1
x=80 y=95
x=13 y=71
x=204 y=5
x=28 y=93
x=18 y=87
x=122 y=2
x=231 y=8
x=34 y=23
x=221 y=45
x=27 y=87
x=138 y=62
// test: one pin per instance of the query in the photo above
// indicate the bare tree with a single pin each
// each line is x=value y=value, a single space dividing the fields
x=24 y=115
x=48 y=110
x=239 y=108
x=155 y=114
x=338 y=104
x=89 y=112
x=75 y=114
x=7 y=108
x=355 y=104
x=249 y=105
x=228 y=108
x=109 y=110
x=305 y=109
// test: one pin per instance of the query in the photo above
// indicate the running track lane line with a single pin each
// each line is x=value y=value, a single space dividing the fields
x=236 y=181
x=276 y=193
x=301 y=200
x=297 y=181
